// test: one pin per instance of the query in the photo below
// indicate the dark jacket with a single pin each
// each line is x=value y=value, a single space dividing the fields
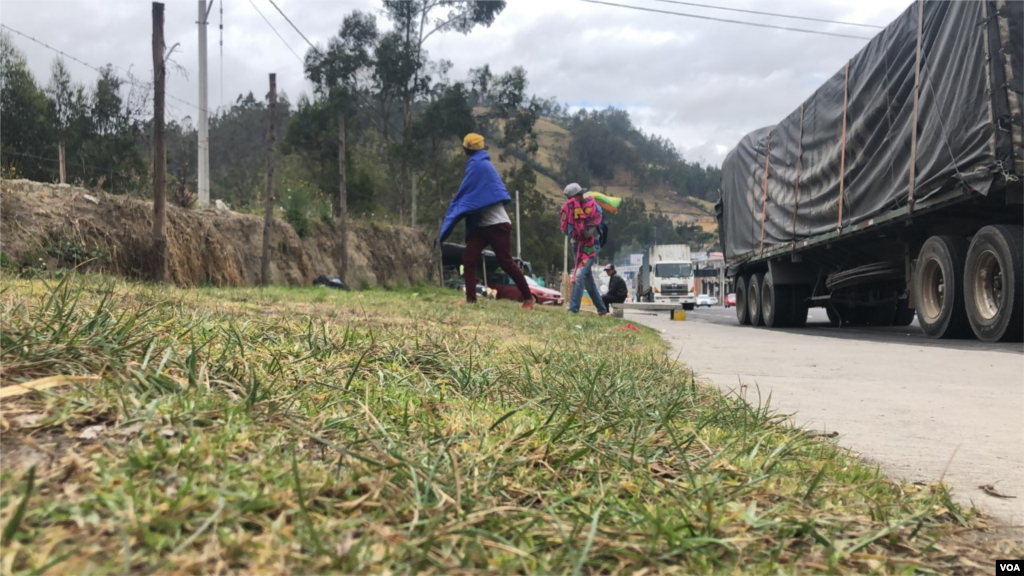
x=481 y=187
x=617 y=287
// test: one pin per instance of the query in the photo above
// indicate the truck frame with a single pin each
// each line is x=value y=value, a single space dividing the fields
x=953 y=255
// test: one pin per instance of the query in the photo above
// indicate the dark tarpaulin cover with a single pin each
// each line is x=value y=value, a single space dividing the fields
x=963 y=130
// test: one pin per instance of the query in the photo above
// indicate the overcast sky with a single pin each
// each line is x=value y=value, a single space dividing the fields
x=700 y=83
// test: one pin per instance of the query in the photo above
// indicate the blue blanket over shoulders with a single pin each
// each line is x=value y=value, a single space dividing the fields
x=481 y=187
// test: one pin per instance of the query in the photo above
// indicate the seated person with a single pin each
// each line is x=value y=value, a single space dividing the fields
x=617 y=291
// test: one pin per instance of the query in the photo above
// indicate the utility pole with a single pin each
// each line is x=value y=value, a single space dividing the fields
x=412 y=219
x=204 y=125
x=565 y=269
x=342 y=198
x=159 y=149
x=268 y=217
x=519 y=242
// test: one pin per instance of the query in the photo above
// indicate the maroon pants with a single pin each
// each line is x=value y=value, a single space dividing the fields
x=498 y=237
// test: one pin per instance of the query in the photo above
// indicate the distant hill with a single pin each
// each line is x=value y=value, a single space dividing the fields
x=555 y=138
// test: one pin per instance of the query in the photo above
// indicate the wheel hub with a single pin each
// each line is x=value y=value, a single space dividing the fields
x=933 y=290
x=988 y=286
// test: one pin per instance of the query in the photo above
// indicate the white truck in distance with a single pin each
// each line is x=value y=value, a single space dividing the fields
x=667 y=276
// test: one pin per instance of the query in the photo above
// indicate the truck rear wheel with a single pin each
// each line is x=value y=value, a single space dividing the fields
x=994 y=283
x=939 y=283
x=754 y=299
x=742 y=311
x=776 y=303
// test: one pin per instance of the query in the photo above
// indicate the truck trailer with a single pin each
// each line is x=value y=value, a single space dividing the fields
x=895 y=188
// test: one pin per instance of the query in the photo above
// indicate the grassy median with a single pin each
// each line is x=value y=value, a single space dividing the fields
x=307 y=430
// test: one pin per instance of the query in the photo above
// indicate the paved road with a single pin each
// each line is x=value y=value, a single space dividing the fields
x=918 y=407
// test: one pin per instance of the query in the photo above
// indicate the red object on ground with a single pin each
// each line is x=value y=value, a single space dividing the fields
x=628 y=326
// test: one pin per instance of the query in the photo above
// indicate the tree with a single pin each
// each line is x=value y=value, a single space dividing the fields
x=480 y=83
x=519 y=112
x=110 y=149
x=26 y=141
x=335 y=75
x=68 y=107
x=438 y=132
x=415 y=21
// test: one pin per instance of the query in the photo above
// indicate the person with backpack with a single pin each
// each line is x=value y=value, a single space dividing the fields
x=481 y=200
x=581 y=221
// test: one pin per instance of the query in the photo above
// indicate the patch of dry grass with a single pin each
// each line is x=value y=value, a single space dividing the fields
x=307 y=430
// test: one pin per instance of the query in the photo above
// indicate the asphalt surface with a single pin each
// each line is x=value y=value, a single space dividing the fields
x=922 y=409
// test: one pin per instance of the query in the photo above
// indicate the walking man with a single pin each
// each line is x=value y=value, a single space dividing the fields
x=617 y=290
x=581 y=217
x=481 y=201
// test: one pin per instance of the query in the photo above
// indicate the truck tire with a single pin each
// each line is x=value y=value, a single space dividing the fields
x=776 y=303
x=800 y=294
x=939 y=286
x=754 y=299
x=904 y=313
x=994 y=284
x=742 y=312
x=688 y=307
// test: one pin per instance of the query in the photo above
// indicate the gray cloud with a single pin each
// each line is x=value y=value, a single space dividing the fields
x=701 y=84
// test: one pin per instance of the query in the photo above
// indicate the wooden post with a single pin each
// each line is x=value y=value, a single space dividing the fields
x=342 y=200
x=917 y=92
x=268 y=216
x=565 y=270
x=159 y=149
x=412 y=212
x=60 y=157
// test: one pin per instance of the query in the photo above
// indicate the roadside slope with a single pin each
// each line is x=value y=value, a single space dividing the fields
x=52 y=226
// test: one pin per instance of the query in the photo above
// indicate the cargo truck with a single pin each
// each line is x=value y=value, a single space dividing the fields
x=666 y=275
x=895 y=188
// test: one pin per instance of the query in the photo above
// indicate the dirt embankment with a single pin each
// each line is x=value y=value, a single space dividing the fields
x=57 y=226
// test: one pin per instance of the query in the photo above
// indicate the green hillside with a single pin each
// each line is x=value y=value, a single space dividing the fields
x=555 y=139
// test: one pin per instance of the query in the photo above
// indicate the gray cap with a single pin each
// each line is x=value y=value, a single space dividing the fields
x=574 y=189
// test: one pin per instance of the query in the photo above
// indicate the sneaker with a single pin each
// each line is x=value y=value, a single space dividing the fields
x=605 y=313
x=528 y=304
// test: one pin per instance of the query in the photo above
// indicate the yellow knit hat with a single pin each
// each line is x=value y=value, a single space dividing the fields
x=473 y=141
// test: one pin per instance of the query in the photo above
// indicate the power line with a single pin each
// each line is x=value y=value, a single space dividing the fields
x=365 y=100
x=272 y=3
x=128 y=79
x=656 y=11
x=770 y=14
x=276 y=32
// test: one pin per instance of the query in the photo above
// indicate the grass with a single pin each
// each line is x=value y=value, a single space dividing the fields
x=312 y=431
